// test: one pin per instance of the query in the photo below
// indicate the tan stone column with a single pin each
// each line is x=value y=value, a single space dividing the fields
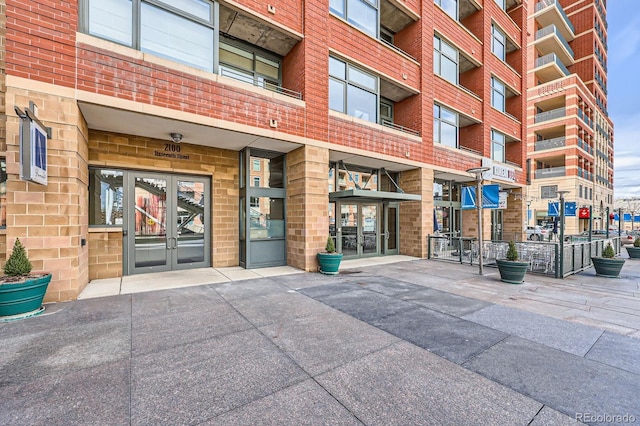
x=416 y=217
x=51 y=221
x=307 y=205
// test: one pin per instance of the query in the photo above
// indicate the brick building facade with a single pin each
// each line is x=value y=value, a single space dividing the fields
x=240 y=133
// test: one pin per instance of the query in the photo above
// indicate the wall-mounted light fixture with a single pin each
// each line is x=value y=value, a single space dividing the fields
x=176 y=137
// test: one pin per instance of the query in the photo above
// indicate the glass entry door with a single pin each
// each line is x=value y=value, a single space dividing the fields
x=167 y=222
x=359 y=229
x=391 y=216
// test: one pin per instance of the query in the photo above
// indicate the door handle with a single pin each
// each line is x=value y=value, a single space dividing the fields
x=386 y=235
x=168 y=243
x=175 y=243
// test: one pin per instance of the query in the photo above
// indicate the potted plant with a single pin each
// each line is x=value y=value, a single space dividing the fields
x=21 y=292
x=329 y=260
x=607 y=265
x=512 y=270
x=634 y=252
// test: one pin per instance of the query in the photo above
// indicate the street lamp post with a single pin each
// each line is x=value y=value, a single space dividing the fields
x=620 y=218
x=478 y=171
x=561 y=225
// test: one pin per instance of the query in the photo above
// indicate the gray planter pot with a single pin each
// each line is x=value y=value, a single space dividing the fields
x=607 y=267
x=512 y=272
x=634 y=252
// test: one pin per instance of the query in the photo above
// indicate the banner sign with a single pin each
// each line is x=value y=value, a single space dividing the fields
x=627 y=217
x=468 y=197
x=33 y=147
x=490 y=197
x=569 y=209
x=584 y=213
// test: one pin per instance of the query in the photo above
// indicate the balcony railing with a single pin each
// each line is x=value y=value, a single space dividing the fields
x=550 y=173
x=551 y=143
x=551 y=29
x=583 y=116
x=585 y=174
x=549 y=58
x=258 y=82
x=584 y=146
x=551 y=115
x=546 y=3
x=392 y=125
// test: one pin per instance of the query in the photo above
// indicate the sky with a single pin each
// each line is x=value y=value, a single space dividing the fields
x=623 y=84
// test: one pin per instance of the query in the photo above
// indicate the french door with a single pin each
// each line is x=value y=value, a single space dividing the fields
x=167 y=222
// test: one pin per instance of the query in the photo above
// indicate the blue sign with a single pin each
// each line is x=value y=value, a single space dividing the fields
x=490 y=196
x=616 y=217
x=570 y=209
x=627 y=217
x=553 y=209
x=468 y=197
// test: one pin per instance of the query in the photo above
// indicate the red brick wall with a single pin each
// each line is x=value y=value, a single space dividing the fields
x=40 y=40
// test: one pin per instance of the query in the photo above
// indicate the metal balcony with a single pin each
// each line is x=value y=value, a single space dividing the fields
x=551 y=115
x=550 y=173
x=550 y=40
x=549 y=68
x=550 y=143
x=550 y=12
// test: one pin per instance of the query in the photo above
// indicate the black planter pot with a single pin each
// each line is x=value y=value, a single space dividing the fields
x=512 y=272
x=607 y=267
x=634 y=252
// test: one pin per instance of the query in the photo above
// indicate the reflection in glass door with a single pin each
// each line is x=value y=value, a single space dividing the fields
x=369 y=230
x=167 y=222
x=391 y=228
x=189 y=221
x=150 y=226
x=349 y=229
x=359 y=229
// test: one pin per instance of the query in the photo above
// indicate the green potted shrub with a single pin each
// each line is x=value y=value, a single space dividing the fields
x=21 y=292
x=512 y=269
x=634 y=252
x=329 y=260
x=607 y=265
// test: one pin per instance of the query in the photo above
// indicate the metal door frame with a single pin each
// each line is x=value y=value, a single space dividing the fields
x=385 y=230
x=171 y=233
x=359 y=231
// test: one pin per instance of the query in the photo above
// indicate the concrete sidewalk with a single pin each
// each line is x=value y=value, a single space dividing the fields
x=412 y=342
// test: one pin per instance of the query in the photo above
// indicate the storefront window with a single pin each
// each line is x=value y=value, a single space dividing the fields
x=267 y=220
x=267 y=172
x=105 y=197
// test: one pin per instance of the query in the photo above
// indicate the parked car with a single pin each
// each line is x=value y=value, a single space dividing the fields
x=537 y=233
x=627 y=237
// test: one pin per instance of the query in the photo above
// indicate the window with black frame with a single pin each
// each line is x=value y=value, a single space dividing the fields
x=180 y=30
x=353 y=91
x=105 y=197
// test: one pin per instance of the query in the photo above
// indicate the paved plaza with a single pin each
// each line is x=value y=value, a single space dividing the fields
x=409 y=342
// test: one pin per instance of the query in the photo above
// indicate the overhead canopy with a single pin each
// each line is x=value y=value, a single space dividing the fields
x=366 y=195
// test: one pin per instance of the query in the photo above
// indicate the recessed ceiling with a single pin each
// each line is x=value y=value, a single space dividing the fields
x=133 y=123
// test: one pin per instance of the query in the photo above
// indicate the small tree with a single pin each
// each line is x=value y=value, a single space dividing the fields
x=18 y=263
x=608 y=252
x=512 y=252
x=636 y=243
x=330 y=247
